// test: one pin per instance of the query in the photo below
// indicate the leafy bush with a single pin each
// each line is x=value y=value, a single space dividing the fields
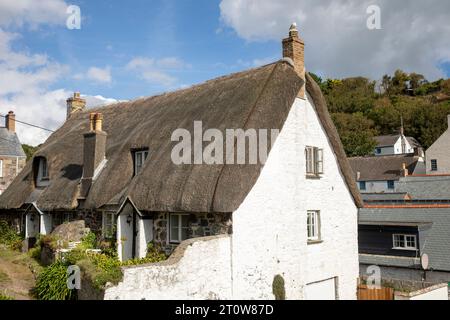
x=51 y=283
x=278 y=289
x=9 y=237
x=5 y=297
x=89 y=241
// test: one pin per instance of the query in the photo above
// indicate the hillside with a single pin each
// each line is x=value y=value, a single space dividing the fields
x=362 y=108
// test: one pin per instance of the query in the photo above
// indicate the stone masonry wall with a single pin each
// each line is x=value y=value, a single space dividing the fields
x=200 y=225
x=11 y=168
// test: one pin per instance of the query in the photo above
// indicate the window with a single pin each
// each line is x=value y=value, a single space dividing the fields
x=313 y=225
x=362 y=185
x=390 y=184
x=179 y=225
x=1 y=168
x=434 y=165
x=378 y=150
x=404 y=242
x=43 y=168
x=42 y=178
x=139 y=159
x=314 y=161
x=108 y=225
x=61 y=218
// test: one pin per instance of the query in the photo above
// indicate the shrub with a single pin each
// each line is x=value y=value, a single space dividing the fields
x=278 y=288
x=9 y=237
x=89 y=241
x=5 y=297
x=51 y=284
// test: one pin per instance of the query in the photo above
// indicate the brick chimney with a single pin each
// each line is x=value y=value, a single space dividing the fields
x=75 y=104
x=404 y=172
x=294 y=48
x=94 y=151
x=10 y=121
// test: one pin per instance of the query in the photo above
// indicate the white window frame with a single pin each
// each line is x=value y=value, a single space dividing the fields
x=313 y=226
x=314 y=161
x=1 y=168
x=43 y=178
x=179 y=227
x=404 y=239
x=108 y=226
x=143 y=155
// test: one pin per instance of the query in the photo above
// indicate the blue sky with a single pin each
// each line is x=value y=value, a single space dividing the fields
x=112 y=35
x=127 y=50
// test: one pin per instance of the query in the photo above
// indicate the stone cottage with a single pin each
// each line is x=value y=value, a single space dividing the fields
x=12 y=156
x=234 y=225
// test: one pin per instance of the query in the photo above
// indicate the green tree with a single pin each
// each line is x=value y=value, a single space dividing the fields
x=356 y=132
x=29 y=150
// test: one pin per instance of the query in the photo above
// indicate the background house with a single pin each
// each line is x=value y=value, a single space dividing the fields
x=438 y=155
x=395 y=230
x=395 y=144
x=12 y=156
x=381 y=174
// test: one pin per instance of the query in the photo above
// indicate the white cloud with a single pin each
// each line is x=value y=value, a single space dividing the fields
x=99 y=75
x=338 y=42
x=158 y=71
x=24 y=88
x=32 y=12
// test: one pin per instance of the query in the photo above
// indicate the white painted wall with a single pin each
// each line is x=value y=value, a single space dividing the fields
x=395 y=149
x=438 y=292
x=202 y=272
x=269 y=228
x=440 y=151
x=46 y=224
x=31 y=227
x=378 y=187
x=144 y=236
x=269 y=233
x=125 y=234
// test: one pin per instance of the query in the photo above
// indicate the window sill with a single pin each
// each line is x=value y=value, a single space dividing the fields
x=312 y=242
x=405 y=249
x=313 y=177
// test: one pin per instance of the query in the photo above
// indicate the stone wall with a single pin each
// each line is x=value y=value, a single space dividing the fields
x=200 y=225
x=11 y=168
x=198 y=269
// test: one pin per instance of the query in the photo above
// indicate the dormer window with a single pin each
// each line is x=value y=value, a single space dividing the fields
x=139 y=159
x=42 y=178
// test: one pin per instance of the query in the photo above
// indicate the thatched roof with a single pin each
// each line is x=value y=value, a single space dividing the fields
x=257 y=98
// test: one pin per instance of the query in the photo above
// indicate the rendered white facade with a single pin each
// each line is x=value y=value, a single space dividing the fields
x=269 y=233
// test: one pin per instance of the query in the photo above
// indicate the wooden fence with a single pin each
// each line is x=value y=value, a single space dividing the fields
x=364 y=293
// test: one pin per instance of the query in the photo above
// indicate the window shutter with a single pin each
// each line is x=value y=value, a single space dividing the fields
x=319 y=161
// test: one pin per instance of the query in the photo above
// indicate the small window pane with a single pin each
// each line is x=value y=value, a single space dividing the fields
x=434 y=165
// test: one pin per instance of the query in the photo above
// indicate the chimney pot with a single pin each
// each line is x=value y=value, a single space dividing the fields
x=75 y=104
x=91 y=121
x=294 y=48
x=10 y=121
x=98 y=122
x=405 y=171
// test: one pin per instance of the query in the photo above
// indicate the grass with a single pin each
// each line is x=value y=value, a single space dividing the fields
x=4 y=278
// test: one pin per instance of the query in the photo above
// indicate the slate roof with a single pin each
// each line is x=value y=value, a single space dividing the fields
x=390 y=196
x=425 y=187
x=10 y=144
x=434 y=239
x=259 y=98
x=381 y=168
x=390 y=140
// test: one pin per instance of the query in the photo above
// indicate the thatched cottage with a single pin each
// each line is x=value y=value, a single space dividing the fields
x=293 y=215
